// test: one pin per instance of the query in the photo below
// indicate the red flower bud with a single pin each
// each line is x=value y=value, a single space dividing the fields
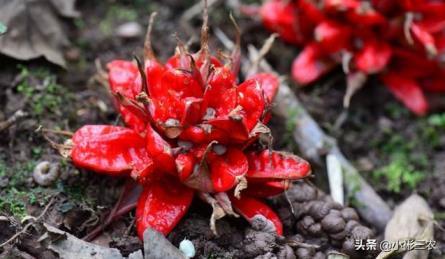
x=189 y=124
x=378 y=36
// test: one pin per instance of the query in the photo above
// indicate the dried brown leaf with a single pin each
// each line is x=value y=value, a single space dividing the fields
x=412 y=220
x=34 y=28
x=68 y=246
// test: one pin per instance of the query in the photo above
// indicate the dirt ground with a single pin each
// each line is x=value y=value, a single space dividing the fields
x=396 y=152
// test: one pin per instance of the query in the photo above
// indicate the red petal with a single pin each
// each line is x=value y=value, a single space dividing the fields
x=435 y=84
x=280 y=17
x=180 y=83
x=269 y=83
x=424 y=37
x=162 y=205
x=198 y=135
x=143 y=173
x=132 y=120
x=227 y=129
x=251 y=99
x=408 y=62
x=217 y=94
x=250 y=207
x=434 y=25
x=123 y=77
x=192 y=111
x=332 y=36
x=342 y=5
x=160 y=151
x=310 y=65
x=154 y=71
x=266 y=189
x=364 y=14
x=384 y=6
x=109 y=149
x=412 y=5
x=431 y=9
x=408 y=91
x=277 y=165
x=167 y=107
x=185 y=164
x=310 y=11
x=225 y=169
x=194 y=134
x=373 y=57
x=223 y=102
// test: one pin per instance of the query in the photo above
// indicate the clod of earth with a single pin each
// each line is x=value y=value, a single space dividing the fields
x=321 y=222
x=190 y=129
x=403 y=42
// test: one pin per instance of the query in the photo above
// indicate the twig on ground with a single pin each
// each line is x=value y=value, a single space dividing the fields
x=57 y=132
x=335 y=175
x=12 y=120
x=254 y=64
x=25 y=228
x=294 y=243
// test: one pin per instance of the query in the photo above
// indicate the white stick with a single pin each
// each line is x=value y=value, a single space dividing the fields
x=335 y=176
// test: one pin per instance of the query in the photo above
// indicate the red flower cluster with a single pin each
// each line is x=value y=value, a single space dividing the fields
x=403 y=41
x=190 y=130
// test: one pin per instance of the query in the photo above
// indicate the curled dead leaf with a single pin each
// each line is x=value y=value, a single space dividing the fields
x=412 y=220
x=34 y=29
x=68 y=246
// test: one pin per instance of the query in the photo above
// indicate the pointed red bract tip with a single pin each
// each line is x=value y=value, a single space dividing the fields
x=122 y=76
x=408 y=91
x=332 y=36
x=310 y=65
x=373 y=57
x=280 y=17
x=274 y=165
x=225 y=169
x=269 y=84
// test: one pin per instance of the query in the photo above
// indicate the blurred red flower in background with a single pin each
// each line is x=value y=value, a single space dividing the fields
x=402 y=41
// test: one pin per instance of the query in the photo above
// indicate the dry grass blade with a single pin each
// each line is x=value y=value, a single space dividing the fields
x=148 y=49
x=27 y=226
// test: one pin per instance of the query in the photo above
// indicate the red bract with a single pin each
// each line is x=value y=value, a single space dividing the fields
x=401 y=41
x=190 y=127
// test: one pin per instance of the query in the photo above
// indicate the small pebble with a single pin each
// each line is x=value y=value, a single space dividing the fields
x=187 y=248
